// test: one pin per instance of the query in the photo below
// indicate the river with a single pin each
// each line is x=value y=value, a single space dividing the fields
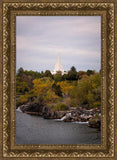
x=32 y=129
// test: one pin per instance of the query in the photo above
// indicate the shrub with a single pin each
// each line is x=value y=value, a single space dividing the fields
x=22 y=100
x=90 y=98
x=73 y=103
x=96 y=104
x=63 y=107
x=60 y=107
x=50 y=96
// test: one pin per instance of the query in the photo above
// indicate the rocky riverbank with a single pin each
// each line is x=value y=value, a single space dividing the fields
x=80 y=114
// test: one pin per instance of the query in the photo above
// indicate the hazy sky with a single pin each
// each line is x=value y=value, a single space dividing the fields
x=39 y=39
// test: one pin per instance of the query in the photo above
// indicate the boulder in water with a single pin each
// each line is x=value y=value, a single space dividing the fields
x=95 y=123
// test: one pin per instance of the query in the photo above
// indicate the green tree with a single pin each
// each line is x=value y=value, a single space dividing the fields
x=21 y=87
x=42 y=74
x=57 y=77
x=65 y=77
x=57 y=89
x=48 y=74
x=88 y=90
x=20 y=71
x=72 y=75
x=73 y=69
x=80 y=74
x=90 y=72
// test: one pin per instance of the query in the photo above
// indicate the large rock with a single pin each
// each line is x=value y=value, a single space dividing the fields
x=95 y=123
x=60 y=114
x=31 y=107
x=37 y=109
x=85 y=118
x=53 y=114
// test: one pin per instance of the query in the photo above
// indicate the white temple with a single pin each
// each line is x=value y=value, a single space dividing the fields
x=58 y=66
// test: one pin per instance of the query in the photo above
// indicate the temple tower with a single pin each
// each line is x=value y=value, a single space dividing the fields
x=58 y=66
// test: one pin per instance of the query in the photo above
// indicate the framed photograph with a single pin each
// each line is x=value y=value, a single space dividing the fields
x=66 y=91
x=58 y=90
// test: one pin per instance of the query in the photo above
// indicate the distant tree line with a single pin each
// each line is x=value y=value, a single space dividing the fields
x=24 y=78
x=71 y=89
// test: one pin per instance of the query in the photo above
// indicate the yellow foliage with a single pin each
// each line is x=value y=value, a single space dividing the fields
x=94 y=85
x=22 y=99
x=60 y=107
x=41 y=86
x=65 y=86
x=50 y=96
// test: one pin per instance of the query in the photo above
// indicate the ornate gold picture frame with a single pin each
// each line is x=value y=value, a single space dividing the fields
x=9 y=10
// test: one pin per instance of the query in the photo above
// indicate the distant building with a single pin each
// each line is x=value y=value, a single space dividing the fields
x=58 y=67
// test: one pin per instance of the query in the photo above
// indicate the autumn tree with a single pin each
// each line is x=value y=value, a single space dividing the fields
x=65 y=86
x=88 y=90
x=43 y=88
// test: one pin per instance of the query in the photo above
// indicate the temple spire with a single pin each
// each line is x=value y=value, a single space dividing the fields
x=58 y=66
x=59 y=62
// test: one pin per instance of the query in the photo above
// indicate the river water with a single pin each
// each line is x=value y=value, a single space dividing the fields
x=32 y=129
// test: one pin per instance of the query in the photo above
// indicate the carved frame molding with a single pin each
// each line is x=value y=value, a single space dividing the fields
x=10 y=11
